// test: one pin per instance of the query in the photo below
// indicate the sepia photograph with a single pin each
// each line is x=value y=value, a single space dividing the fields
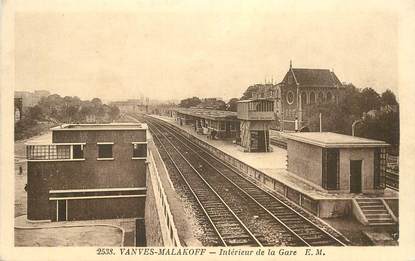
x=206 y=128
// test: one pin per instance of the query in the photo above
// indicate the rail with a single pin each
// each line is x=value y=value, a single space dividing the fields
x=223 y=241
x=293 y=195
x=242 y=189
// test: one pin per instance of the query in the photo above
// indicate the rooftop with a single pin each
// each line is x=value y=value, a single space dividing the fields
x=209 y=114
x=108 y=126
x=256 y=99
x=315 y=77
x=334 y=140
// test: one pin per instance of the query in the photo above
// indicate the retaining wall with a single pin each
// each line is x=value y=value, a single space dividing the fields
x=160 y=227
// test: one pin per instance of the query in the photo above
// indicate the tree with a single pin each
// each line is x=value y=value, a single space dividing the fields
x=232 y=104
x=97 y=102
x=114 y=112
x=370 y=100
x=334 y=118
x=189 y=102
x=248 y=93
x=35 y=113
x=384 y=126
x=350 y=101
x=388 y=98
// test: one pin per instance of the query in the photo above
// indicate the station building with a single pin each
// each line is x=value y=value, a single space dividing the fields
x=338 y=163
x=88 y=171
x=220 y=124
x=256 y=116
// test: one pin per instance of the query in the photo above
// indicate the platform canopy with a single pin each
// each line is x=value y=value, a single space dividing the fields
x=209 y=114
x=334 y=140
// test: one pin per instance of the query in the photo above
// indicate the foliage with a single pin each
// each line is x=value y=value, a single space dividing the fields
x=382 y=125
x=57 y=109
x=232 y=104
x=388 y=98
x=35 y=113
x=369 y=100
x=248 y=93
x=190 y=102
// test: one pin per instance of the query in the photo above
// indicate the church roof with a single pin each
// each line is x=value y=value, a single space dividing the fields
x=315 y=77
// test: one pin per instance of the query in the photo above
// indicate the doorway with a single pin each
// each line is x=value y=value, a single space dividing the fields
x=261 y=141
x=355 y=176
x=61 y=210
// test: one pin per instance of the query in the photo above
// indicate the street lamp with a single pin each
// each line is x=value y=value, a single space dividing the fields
x=356 y=122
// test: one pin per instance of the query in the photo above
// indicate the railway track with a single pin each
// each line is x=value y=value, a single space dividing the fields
x=392 y=180
x=240 y=196
x=228 y=228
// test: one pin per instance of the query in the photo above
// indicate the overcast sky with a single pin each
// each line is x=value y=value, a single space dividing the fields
x=176 y=49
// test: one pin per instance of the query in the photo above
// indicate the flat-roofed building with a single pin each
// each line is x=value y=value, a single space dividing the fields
x=336 y=162
x=88 y=171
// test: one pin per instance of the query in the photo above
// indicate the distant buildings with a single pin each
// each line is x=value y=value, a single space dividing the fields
x=30 y=99
x=130 y=105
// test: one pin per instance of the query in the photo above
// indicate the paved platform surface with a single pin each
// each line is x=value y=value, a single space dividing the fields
x=274 y=165
x=108 y=232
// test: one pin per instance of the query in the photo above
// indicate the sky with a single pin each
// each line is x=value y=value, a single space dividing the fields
x=176 y=49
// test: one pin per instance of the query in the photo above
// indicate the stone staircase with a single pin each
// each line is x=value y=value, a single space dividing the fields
x=375 y=212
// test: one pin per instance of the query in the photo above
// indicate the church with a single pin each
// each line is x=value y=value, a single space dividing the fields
x=294 y=96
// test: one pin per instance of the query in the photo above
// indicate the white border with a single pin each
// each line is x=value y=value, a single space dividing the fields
x=102 y=159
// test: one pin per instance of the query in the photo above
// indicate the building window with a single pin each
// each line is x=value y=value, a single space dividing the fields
x=312 y=97
x=55 y=152
x=320 y=97
x=290 y=97
x=303 y=98
x=78 y=151
x=139 y=150
x=105 y=151
x=329 y=97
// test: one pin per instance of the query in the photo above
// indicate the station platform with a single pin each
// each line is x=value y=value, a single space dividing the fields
x=273 y=165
